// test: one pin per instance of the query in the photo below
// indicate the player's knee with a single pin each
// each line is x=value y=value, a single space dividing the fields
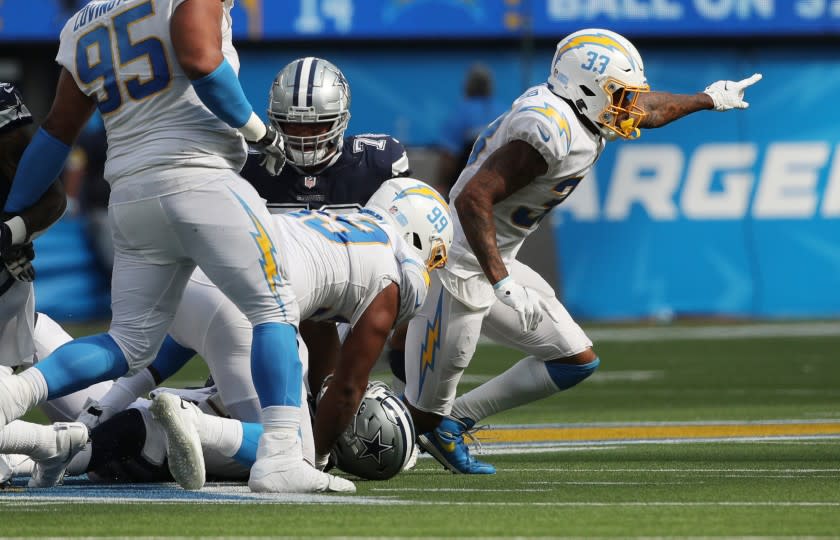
x=566 y=375
x=134 y=346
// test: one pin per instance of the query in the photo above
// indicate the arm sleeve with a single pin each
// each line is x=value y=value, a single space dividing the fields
x=39 y=166
x=221 y=92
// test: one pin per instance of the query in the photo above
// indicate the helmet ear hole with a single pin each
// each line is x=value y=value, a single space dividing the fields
x=585 y=89
x=417 y=242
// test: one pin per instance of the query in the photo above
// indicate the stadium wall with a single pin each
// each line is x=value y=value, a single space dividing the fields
x=719 y=214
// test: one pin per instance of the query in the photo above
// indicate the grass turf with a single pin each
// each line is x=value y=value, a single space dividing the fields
x=779 y=488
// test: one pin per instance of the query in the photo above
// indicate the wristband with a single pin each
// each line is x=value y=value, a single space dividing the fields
x=501 y=282
x=39 y=166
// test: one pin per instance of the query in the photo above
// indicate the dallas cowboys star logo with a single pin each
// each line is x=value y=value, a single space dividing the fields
x=374 y=447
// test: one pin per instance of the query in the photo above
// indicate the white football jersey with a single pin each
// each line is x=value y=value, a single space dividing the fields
x=120 y=52
x=549 y=124
x=337 y=264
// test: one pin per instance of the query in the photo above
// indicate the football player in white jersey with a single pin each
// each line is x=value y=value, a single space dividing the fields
x=369 y=269
x=526 y=162
x=163 y=75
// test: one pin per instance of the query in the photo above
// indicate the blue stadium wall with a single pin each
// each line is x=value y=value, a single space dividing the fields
x=732 y=214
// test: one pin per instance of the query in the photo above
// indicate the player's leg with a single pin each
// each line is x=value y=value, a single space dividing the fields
x=148 y=281
x=171 y=357
x=49 y=336
x=440 y=343
x=227 y=351
x=561 y=356
x=227 y=231
x=51 y=447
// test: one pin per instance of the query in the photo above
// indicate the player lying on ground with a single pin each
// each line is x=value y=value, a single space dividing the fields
x=525 y=163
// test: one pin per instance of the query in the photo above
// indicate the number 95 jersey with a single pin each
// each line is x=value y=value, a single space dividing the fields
x=547 y=123
x=120 y=53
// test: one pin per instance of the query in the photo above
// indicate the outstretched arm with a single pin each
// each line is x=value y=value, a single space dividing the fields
x=663 y=108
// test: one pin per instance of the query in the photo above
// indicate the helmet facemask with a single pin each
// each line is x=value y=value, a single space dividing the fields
x=309 y=104
x=310 y=150
x=437 y=250
x=622 y=116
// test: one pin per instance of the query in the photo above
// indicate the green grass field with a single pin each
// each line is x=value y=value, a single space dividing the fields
x=672 y=437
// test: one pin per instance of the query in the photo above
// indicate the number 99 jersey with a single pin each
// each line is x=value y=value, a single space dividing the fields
x=547 y=123
x=120 y=53
x=337 y=264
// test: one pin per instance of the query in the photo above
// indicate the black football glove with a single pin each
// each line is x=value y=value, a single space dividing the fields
x=18 y=261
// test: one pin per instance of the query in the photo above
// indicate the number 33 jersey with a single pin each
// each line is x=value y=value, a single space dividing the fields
x=120 y=53
x=547 y=123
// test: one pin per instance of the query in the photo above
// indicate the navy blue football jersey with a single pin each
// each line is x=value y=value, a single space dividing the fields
x=365 y=162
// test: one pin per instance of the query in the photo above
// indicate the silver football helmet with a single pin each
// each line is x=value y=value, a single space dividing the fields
x=379 y=442
x=602 y=74
x=420 y=214
x=310 y=93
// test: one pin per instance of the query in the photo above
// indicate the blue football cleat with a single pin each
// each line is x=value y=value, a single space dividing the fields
x=446 y=444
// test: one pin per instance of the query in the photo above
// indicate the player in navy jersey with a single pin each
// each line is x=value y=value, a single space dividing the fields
x=310 y=106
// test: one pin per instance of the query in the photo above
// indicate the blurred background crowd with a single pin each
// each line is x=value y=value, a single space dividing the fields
x=725 y=216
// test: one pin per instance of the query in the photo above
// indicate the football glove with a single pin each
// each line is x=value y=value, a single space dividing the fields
x=18 y=261
x=728 y=95
x=526 y=302
x=272 y=150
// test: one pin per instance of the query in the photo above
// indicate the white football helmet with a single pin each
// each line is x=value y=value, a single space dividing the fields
x=602 y=74
x=310 y=91
x=419 y=213
x=379 y=442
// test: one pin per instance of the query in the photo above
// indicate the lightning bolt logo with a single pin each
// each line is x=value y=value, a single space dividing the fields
x=554 y=115
x=431 y=345
x=268 y=261
x=422 y=191
x=601 y=40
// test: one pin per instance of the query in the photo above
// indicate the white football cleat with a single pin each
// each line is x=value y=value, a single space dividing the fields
x=183 y=446
x=70 y=439
x=280 y=468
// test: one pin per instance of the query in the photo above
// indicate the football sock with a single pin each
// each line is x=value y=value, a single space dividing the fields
x=246 y=454
x=127 y=389
x=171 y=357
x=81 y=363
x=223 y=435
x=275 y=365
x=281 y=419
x=526 y=381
